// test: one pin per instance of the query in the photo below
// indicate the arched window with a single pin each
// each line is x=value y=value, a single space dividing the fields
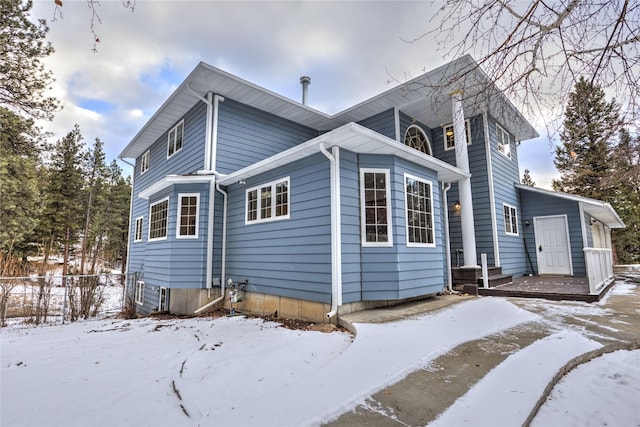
x=416 y=138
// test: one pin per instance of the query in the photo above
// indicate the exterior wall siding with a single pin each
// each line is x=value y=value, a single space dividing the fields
x=505 y=175
x=350 y=223
x=288 y=257
x=247 y=135
x=399 y=271
x=383 y=123
x=535 y=205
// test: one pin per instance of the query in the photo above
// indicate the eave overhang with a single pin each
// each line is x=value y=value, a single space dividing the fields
x=425 y=98
x=601 y=211
x=170 y=180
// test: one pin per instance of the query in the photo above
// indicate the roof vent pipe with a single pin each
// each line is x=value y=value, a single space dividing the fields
x=305 y=81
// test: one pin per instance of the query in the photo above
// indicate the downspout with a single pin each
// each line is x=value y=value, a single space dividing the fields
x=211 y=148
x=445 y=189
x=222 y=296
x=336 y=229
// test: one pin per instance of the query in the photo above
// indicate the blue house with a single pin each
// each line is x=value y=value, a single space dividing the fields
x=315 y=215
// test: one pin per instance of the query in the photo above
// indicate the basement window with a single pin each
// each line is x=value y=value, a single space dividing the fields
x=139 y=296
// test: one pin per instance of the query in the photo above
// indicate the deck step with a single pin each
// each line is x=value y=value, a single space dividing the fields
x=496 y=280
x=461 y=276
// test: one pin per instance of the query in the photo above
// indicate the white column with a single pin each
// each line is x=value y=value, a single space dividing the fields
x=464 y=186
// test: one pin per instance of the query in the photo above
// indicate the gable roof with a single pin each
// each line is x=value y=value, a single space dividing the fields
x=425 y=98
x=602 y=211
x=355 y=138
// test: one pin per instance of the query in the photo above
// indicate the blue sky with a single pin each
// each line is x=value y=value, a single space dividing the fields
x=352 y=51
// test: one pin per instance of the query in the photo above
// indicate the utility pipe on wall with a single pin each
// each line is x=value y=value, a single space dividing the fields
x=445 y=189
x=336 y=229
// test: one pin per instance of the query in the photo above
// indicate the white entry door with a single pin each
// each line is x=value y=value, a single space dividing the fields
x=552 y=245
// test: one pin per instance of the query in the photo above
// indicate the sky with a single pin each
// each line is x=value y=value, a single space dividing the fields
x=352 y=50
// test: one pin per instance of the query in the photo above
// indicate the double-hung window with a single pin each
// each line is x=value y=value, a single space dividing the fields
x=144 y=162
x=510 y=220
x=504 y=141
x=158 y=220
x=449 y=139
x=139 y=296
x=137 y=234
x=188 y=207
x=268 y=202
x=375 y=202
x=419 y=209
x=174 y=143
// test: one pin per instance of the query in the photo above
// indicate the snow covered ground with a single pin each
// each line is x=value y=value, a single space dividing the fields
x=244 y=372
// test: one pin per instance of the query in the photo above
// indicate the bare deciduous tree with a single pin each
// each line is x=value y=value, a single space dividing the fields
x=539 y=49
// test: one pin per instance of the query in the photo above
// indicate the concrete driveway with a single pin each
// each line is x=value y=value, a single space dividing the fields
x=421 y=396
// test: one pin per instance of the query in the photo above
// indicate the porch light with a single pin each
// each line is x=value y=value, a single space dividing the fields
x=456 y=205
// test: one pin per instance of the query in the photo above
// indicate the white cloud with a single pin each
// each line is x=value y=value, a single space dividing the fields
x=351 y=51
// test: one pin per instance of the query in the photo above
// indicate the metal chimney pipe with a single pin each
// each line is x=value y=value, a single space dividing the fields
x=305 y=81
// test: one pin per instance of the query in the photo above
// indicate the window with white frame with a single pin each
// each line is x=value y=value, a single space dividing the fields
x=158 y=220
x=510 y=220
x=174 y=143
x=188 y=208
x=268 y=202
x=375 y=202
x=162 y=303
x=144 y=162
x=139 y=296
x=137 y=234
x=449 y=140
x=504 y=141
x=415 y=137
x=419 y=209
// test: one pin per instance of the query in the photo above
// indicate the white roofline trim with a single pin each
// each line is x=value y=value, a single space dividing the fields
x=170 y=180
x=598 y=209
x=350 y=137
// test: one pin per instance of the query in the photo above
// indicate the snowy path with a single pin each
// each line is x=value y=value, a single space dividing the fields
x=380 y=355
x=510 y=391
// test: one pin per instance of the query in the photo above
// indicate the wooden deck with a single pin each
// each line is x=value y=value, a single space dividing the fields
x=547 y=287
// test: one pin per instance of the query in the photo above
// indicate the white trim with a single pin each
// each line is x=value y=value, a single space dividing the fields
x=355 y=138
x=511 y=220
x=145 y=161
x=274 y=185
x=583 y=226
x=431 y=212
x=137 y=231
x=166 y=199
x=363 y=225
x=467 y=128
x=139 y=293
x=179 y=216
x=537 y=242
x=492 y=194
x=170 y=143
x=160 y=308
x=396 y=122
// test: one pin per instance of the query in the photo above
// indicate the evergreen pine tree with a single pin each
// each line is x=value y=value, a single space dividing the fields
x=589 y=126
x=19 y=194
x=527 y=180
x=23 y=77
x=63 y=197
